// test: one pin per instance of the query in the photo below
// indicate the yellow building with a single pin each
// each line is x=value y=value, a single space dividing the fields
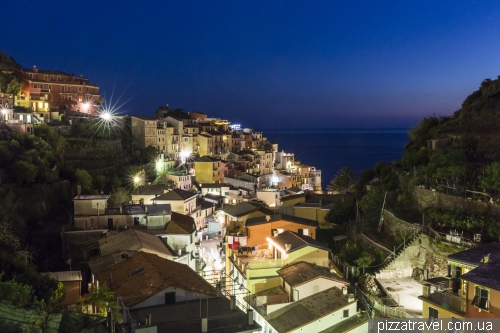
x=144 y=130
x=206 y=145
x=455 y=295
x=207 y=169
x=311 y=211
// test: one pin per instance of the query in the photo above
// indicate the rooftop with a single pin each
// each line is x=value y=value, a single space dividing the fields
x=131 y=240
x=150 y=189
x=240 y=209
x=279 y=217
x=475 y=255
x=296 y=241
x=307 y=310
x=102 y=263
x=185 y=317
x=301 y=272
x=175 y=194
x=485 y=275
x=144 y=274
x=92 y=197
x=66 y=276
x=181 y=224
x=348 y=324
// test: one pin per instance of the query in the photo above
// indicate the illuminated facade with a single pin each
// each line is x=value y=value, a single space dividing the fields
x=49 y=92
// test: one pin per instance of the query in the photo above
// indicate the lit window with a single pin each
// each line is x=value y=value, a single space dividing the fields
x=481 y=298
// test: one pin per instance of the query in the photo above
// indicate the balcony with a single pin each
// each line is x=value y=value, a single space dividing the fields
x=444 y=298
x=249 y=264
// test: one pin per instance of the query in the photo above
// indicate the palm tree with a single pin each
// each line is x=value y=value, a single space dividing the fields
x=343 y=179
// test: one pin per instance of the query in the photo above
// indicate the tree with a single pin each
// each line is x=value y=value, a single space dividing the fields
x=343 y=180
x=23 y=172
x=119 y=196
x=14 y=87
x=365 y=259
x=340 y=213
x=47 y=308
x=491 y=178
x=372 y=200
x=102 y=298
x=84 y=179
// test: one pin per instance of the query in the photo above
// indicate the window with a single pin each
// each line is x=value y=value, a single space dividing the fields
x=433 y=313
x=31 y=76
x=52 y=77
x=346 y=313
x=481 y=298
x=79 y=89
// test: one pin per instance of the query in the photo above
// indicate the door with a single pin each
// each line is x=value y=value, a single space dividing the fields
x=110 y=224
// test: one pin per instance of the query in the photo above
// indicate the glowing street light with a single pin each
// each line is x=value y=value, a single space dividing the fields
x=184 y=155
x=106 y=116
x=159 y=165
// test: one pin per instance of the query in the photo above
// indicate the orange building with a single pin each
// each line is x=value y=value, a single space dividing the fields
x=259 y=229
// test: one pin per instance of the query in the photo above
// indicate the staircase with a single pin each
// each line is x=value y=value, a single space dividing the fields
x=401 y=265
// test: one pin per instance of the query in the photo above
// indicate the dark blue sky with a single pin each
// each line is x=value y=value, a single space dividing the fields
x=267 y=64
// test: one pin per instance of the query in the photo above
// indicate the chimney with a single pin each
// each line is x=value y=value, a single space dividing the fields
x=426 y=274
x=146 y=209
x=250 y=317
x=148 y=319
x=34 y=69
x=121 y=209
x=344 y=291
x=288 y=247
x=232 y=302
x=218 y=288
x=268 y=218
x=179 y=251
x=79 y=191
x=350 y=298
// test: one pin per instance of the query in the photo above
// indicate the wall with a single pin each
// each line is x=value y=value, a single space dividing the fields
x=311 y=213
x=329 y=320
x=315 y=286
x=73 y=291
x=159 y=298
x=89 y=207
x=310 y=254
x=443 y=313
x=397 y=227
x=428 y=198
x=271 y=198
x=473 y=312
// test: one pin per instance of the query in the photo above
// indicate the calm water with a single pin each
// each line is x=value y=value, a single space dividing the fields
x=330 y=150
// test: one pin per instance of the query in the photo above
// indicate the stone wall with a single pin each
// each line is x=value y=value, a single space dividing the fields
x=427 y=198
x=396 y=227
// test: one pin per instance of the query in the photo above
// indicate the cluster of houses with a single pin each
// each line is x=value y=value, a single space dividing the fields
x=274 y=276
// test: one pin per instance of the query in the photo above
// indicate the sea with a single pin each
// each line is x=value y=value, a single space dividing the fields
x=331 y=150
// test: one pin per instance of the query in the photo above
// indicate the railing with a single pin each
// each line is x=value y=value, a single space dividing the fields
x=445 y=299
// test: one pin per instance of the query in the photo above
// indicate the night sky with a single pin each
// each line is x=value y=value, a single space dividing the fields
x=267 y=64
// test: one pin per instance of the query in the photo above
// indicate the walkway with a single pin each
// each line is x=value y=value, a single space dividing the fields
x=405 y=291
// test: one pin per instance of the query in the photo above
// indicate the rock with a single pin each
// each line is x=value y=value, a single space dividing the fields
x=367 y=283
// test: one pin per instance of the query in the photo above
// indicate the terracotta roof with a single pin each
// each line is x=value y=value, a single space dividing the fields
x=175 y=194
x=301 y=272
x=280 y=217
x=102 y=263
x=485 y=275
x=296 y=241
x=240 y=209
x=475 y=256
x=181 y=224
x=131 y=240
x=307 y=310
x=145 y=275
x=150 y=190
